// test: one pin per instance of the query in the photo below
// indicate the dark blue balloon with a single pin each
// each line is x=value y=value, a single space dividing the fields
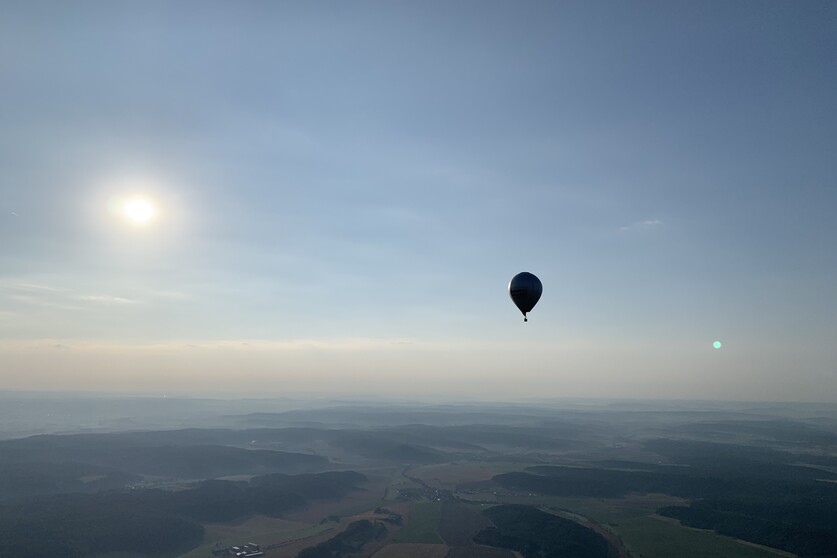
x=525 y=290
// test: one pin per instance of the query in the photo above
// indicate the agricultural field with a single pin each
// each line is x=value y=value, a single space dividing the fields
x=293 y=547
x=252 y=527
x=480 y=551
x=411 y=550
x=422 y=525
x=658 y=537
x=449 y=476
x=368 y=498
x=459 y=523
x=446 y=528
x=266 y=530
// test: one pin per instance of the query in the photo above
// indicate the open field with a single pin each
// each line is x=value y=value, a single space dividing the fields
x=422 y=525
x=609 y=511
x=459 y=523
x=409 y=550
x=655 y=537
x=401 y=508
x=369 y=497
x=252 y=527
x=294 y=547
x=449 y=476
x=264 y=530
x=302 y=529
x=480 y=551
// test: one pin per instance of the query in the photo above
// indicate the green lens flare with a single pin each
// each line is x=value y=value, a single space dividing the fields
x=717 y=344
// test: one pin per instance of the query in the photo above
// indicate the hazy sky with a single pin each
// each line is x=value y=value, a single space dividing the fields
x=344 y=189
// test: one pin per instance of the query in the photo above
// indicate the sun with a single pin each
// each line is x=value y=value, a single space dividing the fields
x=139 y=211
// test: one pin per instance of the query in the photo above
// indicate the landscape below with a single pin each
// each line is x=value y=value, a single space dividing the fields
x=573 y=480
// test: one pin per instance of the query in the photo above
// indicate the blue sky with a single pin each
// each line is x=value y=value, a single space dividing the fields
x=343 y=191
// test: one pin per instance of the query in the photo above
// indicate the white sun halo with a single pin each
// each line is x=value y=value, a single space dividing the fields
x=139 y=210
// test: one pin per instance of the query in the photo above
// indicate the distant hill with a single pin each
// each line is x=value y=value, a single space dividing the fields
x=210 y=453
x=27 y=479
x=353 y=416
x=790 y=432
x=90 y=462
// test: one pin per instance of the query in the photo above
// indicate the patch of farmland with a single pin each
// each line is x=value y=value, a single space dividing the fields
x=412 y=550
x=479 y=551
x=252 y=527
x=265 y=530
x=292 y=549
x=459 y=523
x=450 y=475
x=422 y=525
x=657 y=537
x=367 y=498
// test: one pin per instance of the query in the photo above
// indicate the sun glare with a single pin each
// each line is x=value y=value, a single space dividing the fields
x=139 y=211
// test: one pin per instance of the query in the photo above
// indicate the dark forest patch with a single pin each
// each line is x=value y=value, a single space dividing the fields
x=459 y=524
x=537 y=534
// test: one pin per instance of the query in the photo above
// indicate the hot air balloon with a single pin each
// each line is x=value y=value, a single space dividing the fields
x=525 y=290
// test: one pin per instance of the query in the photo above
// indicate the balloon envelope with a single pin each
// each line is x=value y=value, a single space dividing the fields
x=525 y=290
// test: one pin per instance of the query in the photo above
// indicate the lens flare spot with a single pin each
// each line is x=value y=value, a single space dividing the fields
x=717 y=345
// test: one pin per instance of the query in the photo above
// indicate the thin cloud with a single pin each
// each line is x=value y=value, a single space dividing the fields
x=338 y=345
x=43 y=302
x=32 y=287
x=326 y=345
x=107 y=299
x=648 y=223
x=57 y=297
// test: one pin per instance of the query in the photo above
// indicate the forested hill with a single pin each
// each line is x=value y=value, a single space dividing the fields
x=154 y=522
x=535 y=533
